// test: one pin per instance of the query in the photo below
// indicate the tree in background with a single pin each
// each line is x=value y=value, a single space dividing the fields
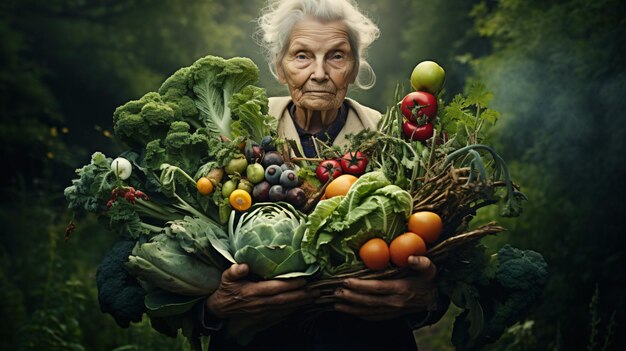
x=555 y=67
x=69 y=64
x=64 y=67
x=559 y=75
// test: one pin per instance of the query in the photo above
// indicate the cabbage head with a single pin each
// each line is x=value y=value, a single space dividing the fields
x=161 y=262
x=267 y=237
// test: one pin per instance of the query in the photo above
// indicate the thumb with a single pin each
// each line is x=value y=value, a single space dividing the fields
x=424 y=265
x=235 y=272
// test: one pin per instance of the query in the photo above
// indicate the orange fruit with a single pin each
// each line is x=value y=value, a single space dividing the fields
x=240 y=200
x=204 y=185
x=340 y=185
x=405 y=245
x=427 y=225
x=375 y=254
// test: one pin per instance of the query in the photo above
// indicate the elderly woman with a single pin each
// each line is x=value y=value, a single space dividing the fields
x=316 y=48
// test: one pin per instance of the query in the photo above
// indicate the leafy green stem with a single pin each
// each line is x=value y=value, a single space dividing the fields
x=477 y=164
x=183 y=205
x=400 y=141
x=478 y=123
x=154 y=210
x=512 y=206
x=150 y=227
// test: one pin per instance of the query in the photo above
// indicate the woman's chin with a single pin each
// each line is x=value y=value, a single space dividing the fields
x=319 y=102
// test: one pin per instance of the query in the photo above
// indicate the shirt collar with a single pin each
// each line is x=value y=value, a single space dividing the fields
x=332 y=130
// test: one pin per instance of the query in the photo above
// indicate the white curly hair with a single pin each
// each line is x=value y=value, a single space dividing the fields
x=279 y=17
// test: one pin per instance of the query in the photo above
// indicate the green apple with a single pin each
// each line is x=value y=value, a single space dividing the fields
x=428 y=76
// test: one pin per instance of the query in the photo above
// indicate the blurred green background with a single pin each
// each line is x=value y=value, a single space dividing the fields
x=556 y=69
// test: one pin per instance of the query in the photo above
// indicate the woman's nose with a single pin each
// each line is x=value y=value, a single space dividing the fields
x=319 y=73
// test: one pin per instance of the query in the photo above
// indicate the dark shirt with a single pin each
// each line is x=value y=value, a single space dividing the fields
x=327 y=135
x=331 y=331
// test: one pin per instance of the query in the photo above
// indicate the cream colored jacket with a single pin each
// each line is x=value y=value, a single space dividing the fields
x=359 y=117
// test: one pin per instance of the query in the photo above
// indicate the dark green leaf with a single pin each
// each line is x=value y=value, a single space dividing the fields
x=162 y=303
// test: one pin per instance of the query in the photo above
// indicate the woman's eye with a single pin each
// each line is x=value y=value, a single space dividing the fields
x=301 y=56
x=337 y=56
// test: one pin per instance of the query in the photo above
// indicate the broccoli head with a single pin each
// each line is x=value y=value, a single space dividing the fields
x=177 y=86
x=180 y=148
x=516 y=285
x=521 y=270
x=521 y=274
x=140 y=121
x=198 y=95
x=119 y=293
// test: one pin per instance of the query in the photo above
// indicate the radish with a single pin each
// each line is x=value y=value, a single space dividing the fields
x=122 y=168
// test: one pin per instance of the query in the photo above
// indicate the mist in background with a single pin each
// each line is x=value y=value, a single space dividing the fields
x=558 y=76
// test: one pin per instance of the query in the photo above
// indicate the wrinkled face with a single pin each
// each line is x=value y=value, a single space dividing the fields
x=318 y=65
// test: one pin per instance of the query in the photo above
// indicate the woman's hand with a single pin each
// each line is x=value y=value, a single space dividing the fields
x=237 y=296
x=387 y=299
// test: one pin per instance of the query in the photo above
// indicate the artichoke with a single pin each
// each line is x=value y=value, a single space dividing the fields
x=268 y=237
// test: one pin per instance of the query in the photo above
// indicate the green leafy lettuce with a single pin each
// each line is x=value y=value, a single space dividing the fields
x=92 y=189
x=338 y=226
x=250 y=112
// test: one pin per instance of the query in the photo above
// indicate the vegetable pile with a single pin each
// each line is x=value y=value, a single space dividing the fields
x=206 y=182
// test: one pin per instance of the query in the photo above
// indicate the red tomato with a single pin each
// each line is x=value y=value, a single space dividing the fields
x=328 y=169
x=415 y=132
x=354 y=162
x=375 y=254
x=418 y=104
x=405 y=245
